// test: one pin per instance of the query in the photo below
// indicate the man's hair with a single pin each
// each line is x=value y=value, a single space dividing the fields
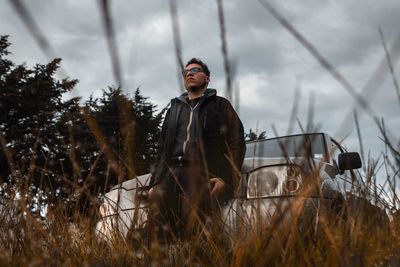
x=201 y=63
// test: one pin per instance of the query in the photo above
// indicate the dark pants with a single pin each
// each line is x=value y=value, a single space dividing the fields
x=182 y=204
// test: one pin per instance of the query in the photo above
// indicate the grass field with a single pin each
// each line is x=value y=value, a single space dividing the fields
x=336 y=240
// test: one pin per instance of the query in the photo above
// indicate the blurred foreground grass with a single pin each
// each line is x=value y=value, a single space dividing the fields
x=337 y=240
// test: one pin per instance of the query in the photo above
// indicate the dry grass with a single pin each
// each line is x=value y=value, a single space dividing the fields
x=338 y=238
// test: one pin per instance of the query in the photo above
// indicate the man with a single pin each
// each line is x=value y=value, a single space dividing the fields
x=202 y=151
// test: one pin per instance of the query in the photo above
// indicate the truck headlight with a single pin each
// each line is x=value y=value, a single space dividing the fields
x=264 y=182
x=274 y=181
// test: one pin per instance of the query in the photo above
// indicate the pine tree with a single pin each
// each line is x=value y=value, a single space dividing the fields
x=252 y=136
x=30 y=104
x=130 y=130
x=70 y=152
x=147 y=128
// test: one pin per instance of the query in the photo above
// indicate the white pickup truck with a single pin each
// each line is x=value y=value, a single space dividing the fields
x=276 y=173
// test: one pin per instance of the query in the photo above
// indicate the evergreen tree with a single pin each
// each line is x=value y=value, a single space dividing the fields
x=252 y=136
x=30 y=104
x=72 y=152
x=78 y=154
x=147 y=128
x=129 y=130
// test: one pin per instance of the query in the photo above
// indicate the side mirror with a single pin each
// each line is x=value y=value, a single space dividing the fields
x=349 y=161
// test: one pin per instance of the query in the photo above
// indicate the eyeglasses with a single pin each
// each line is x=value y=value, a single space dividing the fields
x=192 y=71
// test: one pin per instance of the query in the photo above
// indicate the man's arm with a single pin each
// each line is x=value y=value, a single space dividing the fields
x=232 y=129
x=235 y=138
x=161 y=143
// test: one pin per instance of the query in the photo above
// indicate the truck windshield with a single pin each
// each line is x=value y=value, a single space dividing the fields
x=308 y=145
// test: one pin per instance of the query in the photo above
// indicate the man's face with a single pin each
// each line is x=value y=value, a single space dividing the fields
x=194 y=77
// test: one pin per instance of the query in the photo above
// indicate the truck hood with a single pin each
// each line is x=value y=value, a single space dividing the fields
x=307 y=164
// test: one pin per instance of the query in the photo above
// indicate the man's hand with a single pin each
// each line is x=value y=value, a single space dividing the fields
x=217 y=185
x=150 y=194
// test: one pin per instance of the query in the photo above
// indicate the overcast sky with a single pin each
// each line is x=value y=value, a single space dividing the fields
x=269 y=62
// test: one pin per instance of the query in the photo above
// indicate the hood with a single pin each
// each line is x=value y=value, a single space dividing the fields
x=251 y=164
x=207 y=93
x=132 y=184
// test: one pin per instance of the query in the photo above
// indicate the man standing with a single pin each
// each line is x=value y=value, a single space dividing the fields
x=202 y=150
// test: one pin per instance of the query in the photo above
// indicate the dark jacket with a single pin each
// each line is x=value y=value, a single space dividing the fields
x=220 y=145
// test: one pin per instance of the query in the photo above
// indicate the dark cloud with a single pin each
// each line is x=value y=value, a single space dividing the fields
x=270 y=62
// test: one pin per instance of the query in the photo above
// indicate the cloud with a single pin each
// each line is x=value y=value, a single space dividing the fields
x=270 y=62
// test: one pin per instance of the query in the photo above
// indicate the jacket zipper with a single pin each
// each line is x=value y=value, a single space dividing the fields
x=188 y=128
